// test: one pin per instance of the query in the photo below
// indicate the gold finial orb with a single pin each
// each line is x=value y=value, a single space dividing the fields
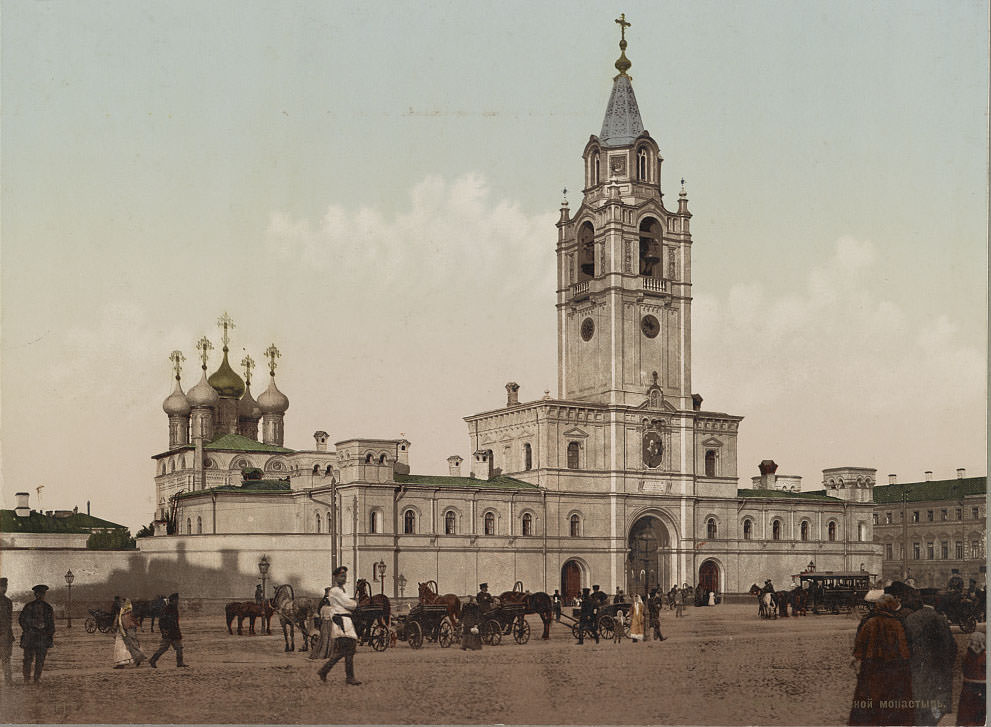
x=623 y=63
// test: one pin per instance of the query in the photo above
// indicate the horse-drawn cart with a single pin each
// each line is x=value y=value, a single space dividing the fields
x=503 y=620
x=606 y=620
x=369 y=624
x=426 y=620
x=105 y=622
x=956 y=606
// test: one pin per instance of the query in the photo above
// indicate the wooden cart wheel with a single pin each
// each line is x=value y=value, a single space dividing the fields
x=491 y=632
x=576 y=630
x=106 y=629
x=445 y=634
x=521 y=630
x=414 y=635
x=606 y=627
x=90 y=625
x=378 y=637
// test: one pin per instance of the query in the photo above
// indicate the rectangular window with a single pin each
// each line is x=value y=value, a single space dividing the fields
x=915 y=516
x=929 y=515
x=888 y=551
x=944 y=550
x=930 y=551
x=943 y=514
x=975 y=513
x=975 y=549
x=916 y=549
x=959 y=550
x=959 y=514
x=887 y=518
x=875 y=518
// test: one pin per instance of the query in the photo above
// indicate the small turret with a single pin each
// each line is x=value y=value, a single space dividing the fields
x=273 y=404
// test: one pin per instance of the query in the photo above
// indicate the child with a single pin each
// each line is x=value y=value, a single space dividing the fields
x=620 y=626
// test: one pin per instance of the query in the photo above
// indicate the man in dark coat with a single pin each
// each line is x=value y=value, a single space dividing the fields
x=37 y=622
x=484 y=598
x=556 y=601
x=6 y=632
x=168 y=627
x=654 y=605
x=883 y=695
x=588 y=619
x=933 y=654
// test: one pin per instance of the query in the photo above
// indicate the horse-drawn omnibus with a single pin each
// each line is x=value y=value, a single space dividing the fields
x=835 y=591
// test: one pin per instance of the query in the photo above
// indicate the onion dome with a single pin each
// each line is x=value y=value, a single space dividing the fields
x=273 y=401
x=176 y=404
x=225 y=380
x=247 y=407
x=203 y=394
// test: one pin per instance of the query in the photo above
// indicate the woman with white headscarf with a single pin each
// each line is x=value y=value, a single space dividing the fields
x=636 y=619
x=972 y=707
x=126 y=647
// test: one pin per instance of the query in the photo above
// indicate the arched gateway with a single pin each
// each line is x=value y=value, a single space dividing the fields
x=571 y=581
x=648 y=558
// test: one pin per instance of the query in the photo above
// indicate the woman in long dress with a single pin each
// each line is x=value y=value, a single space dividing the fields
x=636 y=619
x=126 y=648
x=325 y=644
x=883 y=695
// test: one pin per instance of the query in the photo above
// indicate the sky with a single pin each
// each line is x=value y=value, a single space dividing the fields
x=373 y=187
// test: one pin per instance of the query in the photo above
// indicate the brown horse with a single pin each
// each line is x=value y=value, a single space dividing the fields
x=142 y=609
x=363 y=597
x=249 y=610
x=293 y=612
x=539 y=603
x=429 y=595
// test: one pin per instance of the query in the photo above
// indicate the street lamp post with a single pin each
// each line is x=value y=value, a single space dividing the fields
x=402 y=585
x=905 y=492
x=69 y=578
x=379 y=575
x=263 y=566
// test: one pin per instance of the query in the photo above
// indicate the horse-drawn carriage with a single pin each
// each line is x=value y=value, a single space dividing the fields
x=956 y=606
x=504 y=619
x=606 y=620
x=426 y=620
x=836 y=591
x=102 y=620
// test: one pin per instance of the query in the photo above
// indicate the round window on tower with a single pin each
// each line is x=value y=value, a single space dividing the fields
x=650 y=326
x=588 y=329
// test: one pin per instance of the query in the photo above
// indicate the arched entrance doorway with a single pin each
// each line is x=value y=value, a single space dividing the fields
x=709 y=576
x=571 y=581
x=646 y=560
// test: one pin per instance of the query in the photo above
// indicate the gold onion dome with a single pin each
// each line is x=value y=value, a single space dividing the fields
x=273 y=401
x=225 y=380
x=203 y=394
x=176 y=403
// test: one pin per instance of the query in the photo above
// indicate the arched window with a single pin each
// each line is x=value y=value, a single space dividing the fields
x=710 y=463
x=831 y=531
x=776 y=530
x=748 y=529
x=316 y=469
x=650 y=248
x=381 y=459
x=328 y=522
x=576 y=526
x=586 y=252
x=861 y=532
x=450 y=523
x=199 y=525
x=527 y=524
x=642 y=164
x=489 y=523
x=328 y=470
x=368 y=458
x=710 y=528
x=804 y=530
x=595 y=169
x=318 y=523
x=189 y=526
x=573 y=448
x=171 y=465
x=409 y=522
x=527 y=457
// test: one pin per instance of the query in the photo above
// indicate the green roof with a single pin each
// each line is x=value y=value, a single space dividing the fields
x=38 y=522
x=787 y=495
x=500 y=482
x=245 y=486
x=934 y=490
x=243 y=444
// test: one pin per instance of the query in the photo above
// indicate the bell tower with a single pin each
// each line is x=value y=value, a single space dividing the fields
x=624 y=268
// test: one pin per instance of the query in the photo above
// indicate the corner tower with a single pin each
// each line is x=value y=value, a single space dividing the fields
x=624 y=268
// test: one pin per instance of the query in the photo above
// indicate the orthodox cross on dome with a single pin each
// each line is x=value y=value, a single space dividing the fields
x=177 y=358
x=249 y=364
x=225 y=322
x=272 y=353
x=623 y=64
x=204 y=347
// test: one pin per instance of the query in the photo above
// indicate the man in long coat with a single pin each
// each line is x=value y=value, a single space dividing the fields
x=883 y=695
x=6 y=632
x=933 y=653
x=588 y=619
x=37 y=622
x=168 y=627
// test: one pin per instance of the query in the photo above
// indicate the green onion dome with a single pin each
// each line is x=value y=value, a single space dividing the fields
x=225 y=380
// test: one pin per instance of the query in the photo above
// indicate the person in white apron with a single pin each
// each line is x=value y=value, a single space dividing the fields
x=342 y=629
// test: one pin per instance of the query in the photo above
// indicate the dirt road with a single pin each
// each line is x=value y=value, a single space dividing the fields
x=719 y=666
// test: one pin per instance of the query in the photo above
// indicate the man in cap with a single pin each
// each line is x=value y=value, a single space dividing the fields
x=6 y=632
x=168 y=627
x=588 y=619
x=342 y=630
x=556 y=602
x=37 y=622
x=483 y=597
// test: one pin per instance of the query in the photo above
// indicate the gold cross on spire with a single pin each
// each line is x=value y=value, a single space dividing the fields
x=204 y=347
x=249 y=365
x=623 y=63
x=272 y=353
x=623 y=25
x=177 y=358
x=225 y=322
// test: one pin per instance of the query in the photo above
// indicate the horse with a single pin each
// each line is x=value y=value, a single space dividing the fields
x=539 y=603
x=782 y=599
x=765 y=602
x=249 y=610
x=429 y=595
x=364 y=598
x=142 y=609
x=293 y=612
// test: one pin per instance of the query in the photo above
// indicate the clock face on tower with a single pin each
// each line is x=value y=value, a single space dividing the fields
x=588 y=329
x=650 y=326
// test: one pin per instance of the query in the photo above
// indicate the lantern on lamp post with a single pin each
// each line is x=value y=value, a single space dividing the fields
x=379 y=575
x=263 y=566
x=69 y=578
